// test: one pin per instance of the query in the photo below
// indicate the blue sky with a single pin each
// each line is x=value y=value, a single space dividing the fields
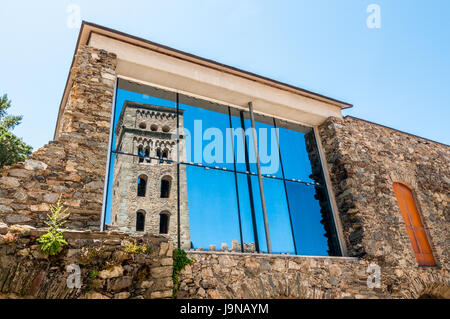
x=398 y=75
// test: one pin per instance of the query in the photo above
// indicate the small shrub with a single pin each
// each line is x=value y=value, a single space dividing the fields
x=52 y=242
x=93 y=273
x=180 y=260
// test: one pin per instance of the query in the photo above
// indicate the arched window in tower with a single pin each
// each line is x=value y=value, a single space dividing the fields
x=414 y=226
x=159 y=155
x=141 y=154
x=140 y=220
x=142 y=185
x=165 y=186
x=165 y=154
x=147 y=154
x=164 y=223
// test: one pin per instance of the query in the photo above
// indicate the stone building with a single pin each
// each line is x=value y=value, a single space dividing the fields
x=387 y=191
x=144 y=197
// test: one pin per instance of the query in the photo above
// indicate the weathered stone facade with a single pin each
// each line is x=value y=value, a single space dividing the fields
x=109 y=268
x=226 y=275
x=75 y=164
x=363 y=160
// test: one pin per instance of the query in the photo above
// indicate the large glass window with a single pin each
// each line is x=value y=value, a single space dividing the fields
x=191 y=161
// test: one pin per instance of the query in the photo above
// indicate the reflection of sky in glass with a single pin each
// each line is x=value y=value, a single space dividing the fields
x=306 y=217
x=278 y=216
x=268 y=149
x=239 y=151
x=212 y=195
x=294 y=156
x=245 y=209
x=259 y=214
x=213 y=214
x=208 y=137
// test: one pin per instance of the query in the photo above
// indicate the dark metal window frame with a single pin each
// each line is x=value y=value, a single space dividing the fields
x=248 y=173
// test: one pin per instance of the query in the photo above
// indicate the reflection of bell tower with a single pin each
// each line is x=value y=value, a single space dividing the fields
x=144 y=194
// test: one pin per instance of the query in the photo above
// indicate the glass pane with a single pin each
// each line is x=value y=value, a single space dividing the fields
x=140 y=119
x=278 y=217
x=309 y=232
x=296 y=147
x=206 y=128
x=268 y=150
x=247 y=200
x=242 y=128
x=212 y=204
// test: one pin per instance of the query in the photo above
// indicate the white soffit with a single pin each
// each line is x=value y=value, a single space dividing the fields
x=142 y=64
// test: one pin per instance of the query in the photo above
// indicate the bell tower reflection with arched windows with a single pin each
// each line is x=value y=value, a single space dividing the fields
x=144 y=195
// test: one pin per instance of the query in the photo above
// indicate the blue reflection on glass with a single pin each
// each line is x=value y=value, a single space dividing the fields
x=245 y=205
x=269 y=155
x=278 y=216
x=213 y=214
x=239 y=132
x=306 y=218
x=259 y=214
x=296 y=163
x=208 y=141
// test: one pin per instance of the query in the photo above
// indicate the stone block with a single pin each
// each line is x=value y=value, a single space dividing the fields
x=161 y=272
x=16 y=219
x=113 y=272
x=95 y=295
x=33 y=165
x=161 y=294
x=9 y=182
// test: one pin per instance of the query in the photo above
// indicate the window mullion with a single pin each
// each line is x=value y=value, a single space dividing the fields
x=236 y=181
x=249 y=183
x=178 y=173
x=285 y=186
x=260 y=181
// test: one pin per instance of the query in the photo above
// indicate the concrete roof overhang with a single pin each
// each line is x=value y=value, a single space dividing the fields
x=157 y=65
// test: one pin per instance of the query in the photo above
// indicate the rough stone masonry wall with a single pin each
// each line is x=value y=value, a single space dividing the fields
x=109 y=268
x=364 y=159
x=237 y=276
x=74 y=165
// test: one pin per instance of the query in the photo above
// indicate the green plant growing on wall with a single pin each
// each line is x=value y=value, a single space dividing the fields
x=180 y=260
x=93 y=273
x=133 y=248
x=52 y=242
